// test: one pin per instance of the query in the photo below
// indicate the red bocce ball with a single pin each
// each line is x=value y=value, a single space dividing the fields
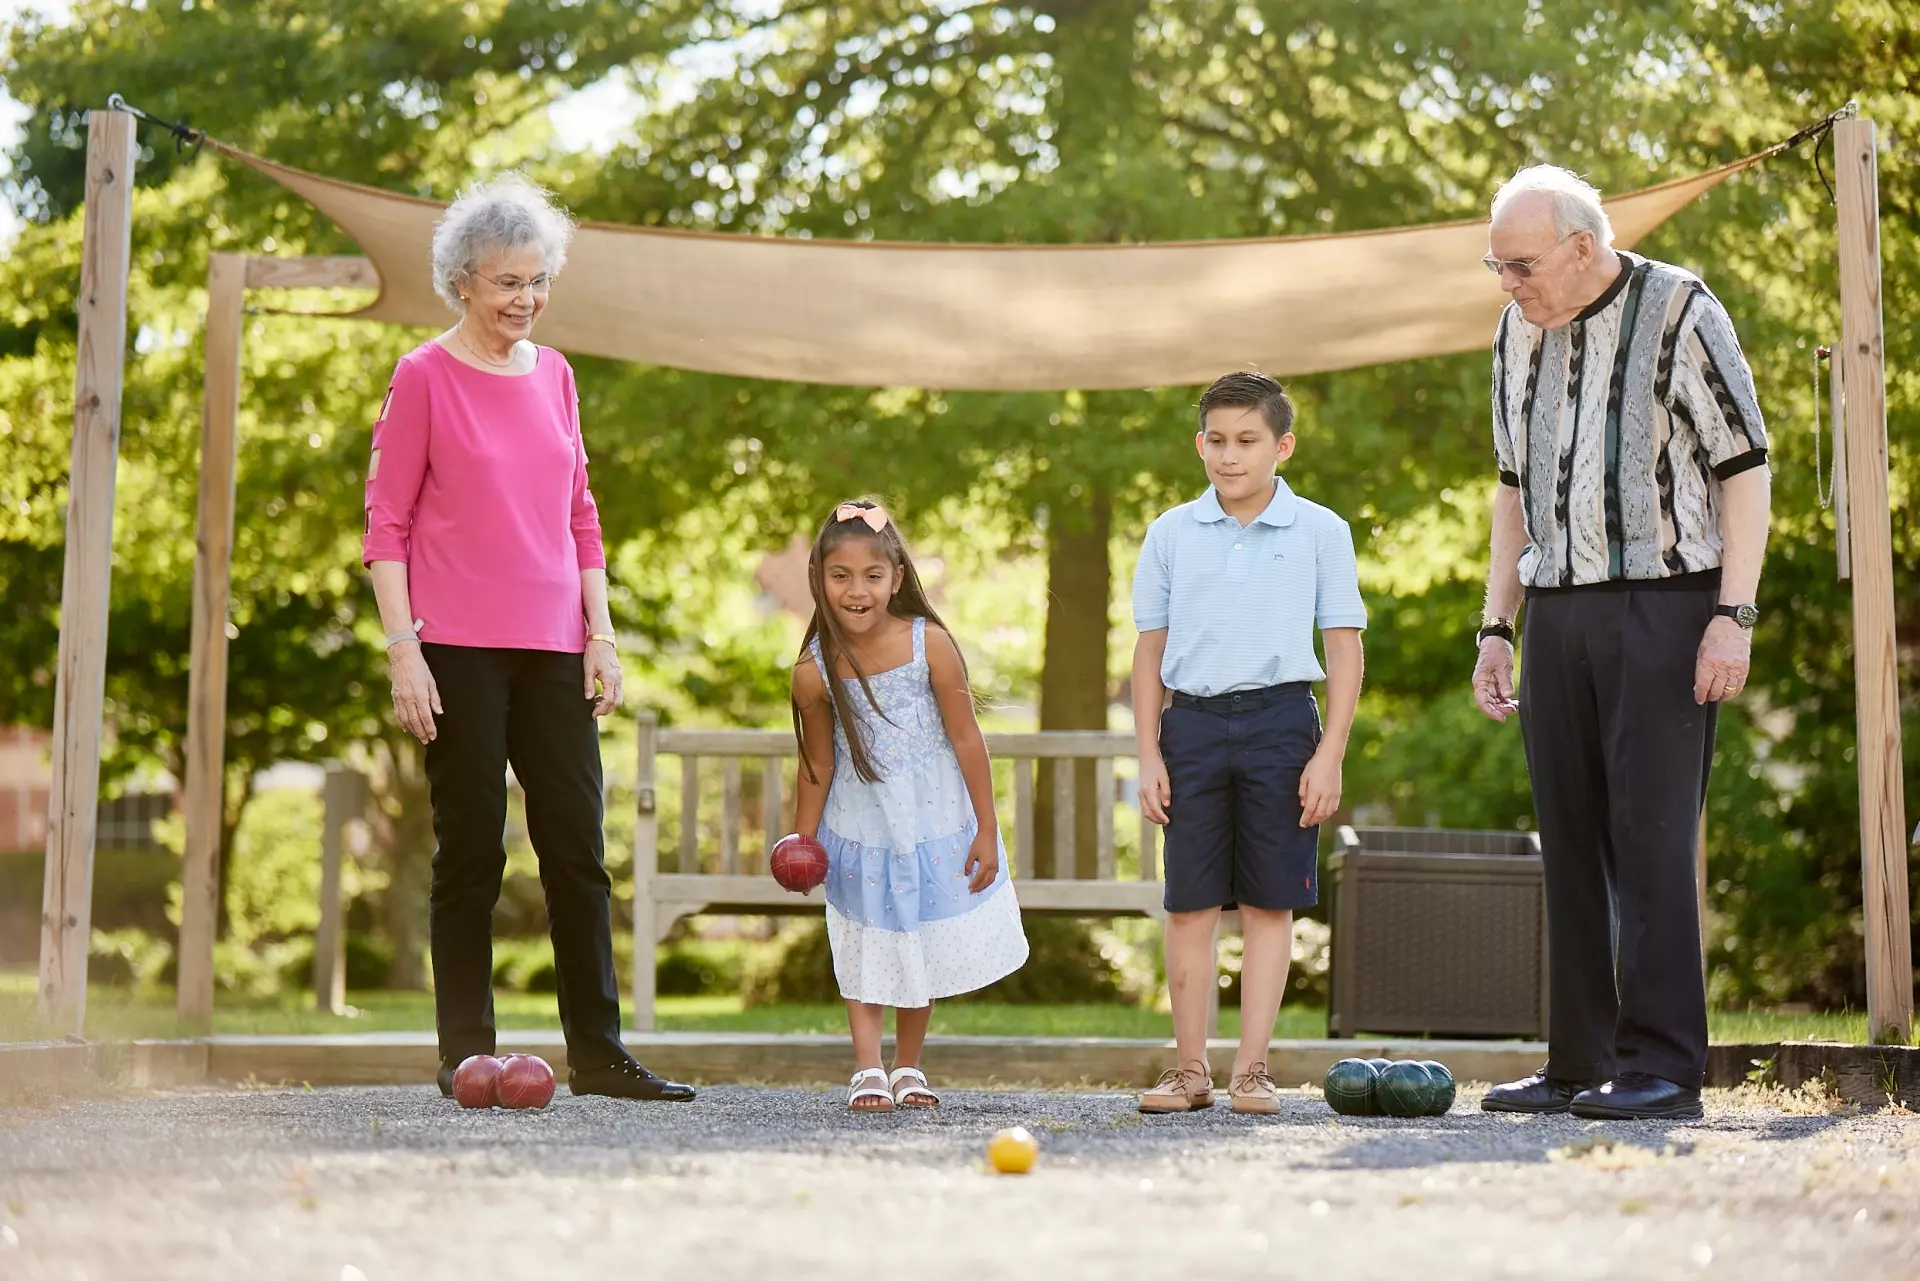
x=798 y=862
x=474 y=1081
x=525 y=1082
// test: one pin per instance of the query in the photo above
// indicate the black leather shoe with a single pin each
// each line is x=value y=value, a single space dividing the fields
x=626 y=1079
x=1538 y=1093
x=445 y=1080
x=1637 y=1096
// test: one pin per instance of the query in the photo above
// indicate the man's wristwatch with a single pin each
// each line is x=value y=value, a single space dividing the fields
x=1745 y=615
x=1501 y=627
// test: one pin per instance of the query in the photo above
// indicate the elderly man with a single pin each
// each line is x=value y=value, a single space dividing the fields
x=1632 y=508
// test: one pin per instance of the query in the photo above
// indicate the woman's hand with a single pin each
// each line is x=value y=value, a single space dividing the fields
x=603 y=677
x=416 y=699
x=983 y=860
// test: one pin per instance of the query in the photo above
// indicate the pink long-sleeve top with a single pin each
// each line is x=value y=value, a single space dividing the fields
x=478 y=482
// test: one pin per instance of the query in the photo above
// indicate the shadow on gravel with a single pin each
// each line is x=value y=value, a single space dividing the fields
x=1529 y=1140
x=1785 y=1129
x=267 y=1128
x=241 y=1128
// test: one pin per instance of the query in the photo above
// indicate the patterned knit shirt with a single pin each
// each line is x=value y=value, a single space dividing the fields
x=1618 y=428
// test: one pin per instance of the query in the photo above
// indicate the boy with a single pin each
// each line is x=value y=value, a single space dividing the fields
x=1226 y=597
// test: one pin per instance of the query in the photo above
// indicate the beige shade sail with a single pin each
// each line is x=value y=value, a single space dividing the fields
x=985 y=317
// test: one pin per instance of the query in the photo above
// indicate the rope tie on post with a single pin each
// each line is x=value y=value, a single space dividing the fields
x=186 y=140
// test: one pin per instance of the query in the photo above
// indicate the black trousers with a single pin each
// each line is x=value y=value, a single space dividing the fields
x=523 y=708
x=1619 y=754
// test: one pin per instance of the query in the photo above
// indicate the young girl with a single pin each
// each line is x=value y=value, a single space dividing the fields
x=894 y=783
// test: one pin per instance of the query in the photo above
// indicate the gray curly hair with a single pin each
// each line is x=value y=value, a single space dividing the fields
x=489 y=218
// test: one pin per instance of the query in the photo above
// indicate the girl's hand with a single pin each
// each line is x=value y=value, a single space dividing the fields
x=416 y=699
x=602 y=664
x=983 y=861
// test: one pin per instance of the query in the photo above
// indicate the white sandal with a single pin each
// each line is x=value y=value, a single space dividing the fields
x=909 y=1084
x=875 y=1087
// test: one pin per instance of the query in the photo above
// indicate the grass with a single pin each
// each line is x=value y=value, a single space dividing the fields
x=117 y=1014
x=1762 y=1026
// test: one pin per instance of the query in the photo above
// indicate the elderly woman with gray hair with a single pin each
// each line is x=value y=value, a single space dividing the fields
x=484 y=545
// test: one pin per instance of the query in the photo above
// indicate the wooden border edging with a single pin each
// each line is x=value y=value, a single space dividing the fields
x=1860 y=1074
x=705 y=1058
x=1869 y=1075
x=62 y=1067
x=714 y=1058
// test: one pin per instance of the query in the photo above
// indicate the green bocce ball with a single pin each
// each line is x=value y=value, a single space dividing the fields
x=1379 y=1066
x=1405 y=1089
x=1349 y=1088
x=1441 y=1090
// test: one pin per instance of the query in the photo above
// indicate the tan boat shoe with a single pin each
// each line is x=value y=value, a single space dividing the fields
x=1181 y=1089
x=1254 y=1091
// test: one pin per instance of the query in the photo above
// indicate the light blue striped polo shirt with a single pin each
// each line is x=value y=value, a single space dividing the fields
x=1240 y=604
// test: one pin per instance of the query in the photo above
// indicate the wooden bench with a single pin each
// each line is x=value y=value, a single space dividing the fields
x=724 y=876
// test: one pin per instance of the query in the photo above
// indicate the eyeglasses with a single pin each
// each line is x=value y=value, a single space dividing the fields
x=512 y=285
x=1523 y=267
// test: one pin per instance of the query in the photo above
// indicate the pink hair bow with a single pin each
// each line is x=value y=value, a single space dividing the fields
x=876 y=517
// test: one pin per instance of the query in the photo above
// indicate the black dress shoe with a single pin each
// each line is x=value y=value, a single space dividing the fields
x=1637 y=1096
x=445 y=1079
x=626 y=1079
x=1538 y=1093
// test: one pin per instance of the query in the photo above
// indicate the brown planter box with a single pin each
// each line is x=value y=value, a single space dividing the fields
x=1437 y=933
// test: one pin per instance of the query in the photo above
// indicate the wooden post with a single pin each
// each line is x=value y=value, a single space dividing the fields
x=1023 y=850
x=343 y=800
x=79 y=695
x=689 y=812
x=730 y=816
x=773 y=809
x=1883 y=834
x=1103 y=818
x=1064 y=828
x=207 y=675
x=646 y=865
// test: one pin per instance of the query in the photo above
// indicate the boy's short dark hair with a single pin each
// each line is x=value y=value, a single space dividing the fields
x=1249 y=391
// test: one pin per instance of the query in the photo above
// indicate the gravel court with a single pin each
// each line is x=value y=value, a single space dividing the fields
x=378 y=1183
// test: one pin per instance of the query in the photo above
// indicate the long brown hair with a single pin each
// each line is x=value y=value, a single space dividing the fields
x=910 y=601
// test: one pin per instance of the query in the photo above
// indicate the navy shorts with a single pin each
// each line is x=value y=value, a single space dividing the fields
x=1233 y=835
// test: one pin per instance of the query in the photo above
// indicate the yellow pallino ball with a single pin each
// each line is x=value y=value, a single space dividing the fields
x=1013 y=1151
